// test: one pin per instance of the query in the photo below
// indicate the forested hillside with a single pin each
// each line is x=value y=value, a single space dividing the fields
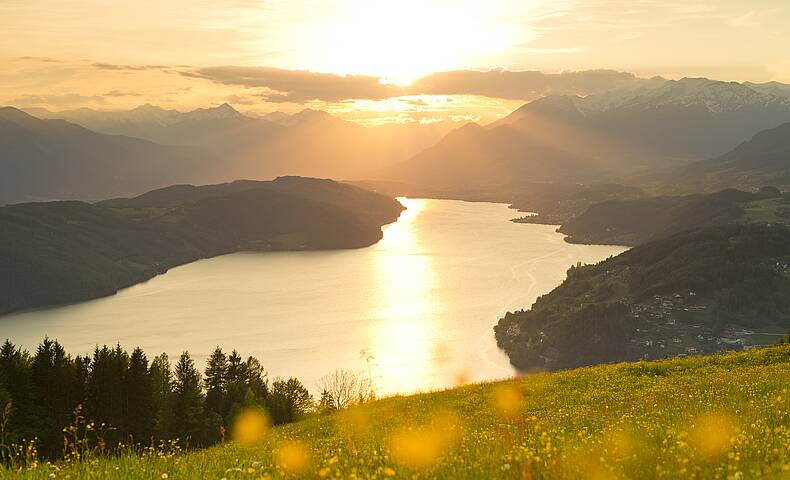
x=696 y=292
x=49 y=397
x=638 y=220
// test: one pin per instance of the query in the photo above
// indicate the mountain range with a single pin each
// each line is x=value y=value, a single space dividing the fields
x=617 y=134
x=672 y=136
x=309 y=142
x=55 y=159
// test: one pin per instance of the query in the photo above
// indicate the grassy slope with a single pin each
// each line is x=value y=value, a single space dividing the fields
x=702 y=417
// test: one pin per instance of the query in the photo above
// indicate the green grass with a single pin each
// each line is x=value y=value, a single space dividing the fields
x=724 y=416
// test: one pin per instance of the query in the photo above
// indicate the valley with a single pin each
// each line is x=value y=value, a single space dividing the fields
x=364 y=247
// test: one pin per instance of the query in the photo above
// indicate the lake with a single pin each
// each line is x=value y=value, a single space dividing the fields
x=420 y=305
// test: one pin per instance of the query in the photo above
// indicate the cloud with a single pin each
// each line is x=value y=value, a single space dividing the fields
x=119 y=93
x=113 y=66
x=745 y=20
x=40 y=59
x=240 y=100
x=64 y=100
x=299 y=86
x=520 y=85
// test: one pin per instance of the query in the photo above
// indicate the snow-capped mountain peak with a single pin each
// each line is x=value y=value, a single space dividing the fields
x=713 y=95
x=224 y=111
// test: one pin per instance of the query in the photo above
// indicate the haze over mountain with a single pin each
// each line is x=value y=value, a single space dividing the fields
x=762 y=160
x=622 y=132
x=636 y=129
x=310 y=142
x=49 y=159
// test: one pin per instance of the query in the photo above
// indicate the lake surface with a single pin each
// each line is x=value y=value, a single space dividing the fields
x=422 y=302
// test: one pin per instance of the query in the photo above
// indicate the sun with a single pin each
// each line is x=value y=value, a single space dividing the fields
x=401 y=41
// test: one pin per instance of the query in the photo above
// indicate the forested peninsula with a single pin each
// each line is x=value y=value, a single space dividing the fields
x=58 y=252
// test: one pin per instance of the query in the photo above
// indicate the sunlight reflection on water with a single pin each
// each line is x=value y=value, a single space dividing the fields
x=405 y=326
x=422 y=301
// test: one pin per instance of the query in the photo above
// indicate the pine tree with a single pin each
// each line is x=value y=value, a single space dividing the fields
x=15 y=366
x=216 y=394
x=256 y=380
x=54 y=388
x=140 y=414
x=162 y=397
x=289 y=401
x=327 y=403
x=216 y=382
x=106 y=392
x=236 y=386
x=188 y=401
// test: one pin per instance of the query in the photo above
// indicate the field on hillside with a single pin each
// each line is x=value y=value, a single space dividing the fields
x=724 y=416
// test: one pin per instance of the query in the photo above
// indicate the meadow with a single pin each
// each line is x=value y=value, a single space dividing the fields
x=718 y=417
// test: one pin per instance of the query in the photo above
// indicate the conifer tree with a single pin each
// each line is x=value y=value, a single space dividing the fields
x=140 y=416
x=289 y=401
x=236 y=386
x=327 y=403
x=256 y=379
x=216 y=381
x=188 y=401
x=216 y=394
x=52 y=374
x=106 y=392
x=162 y=397
x=15 y=366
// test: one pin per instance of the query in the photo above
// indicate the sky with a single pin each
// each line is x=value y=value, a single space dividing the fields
x=406 y=60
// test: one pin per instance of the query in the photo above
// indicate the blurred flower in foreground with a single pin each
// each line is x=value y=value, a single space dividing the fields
x=711 y=433
x=421 y=447
x=461 y=377
x=293 y=457
x=507 y=399
x=354 y=421
x=250 y=426
x=441 y=354
x=620 y=443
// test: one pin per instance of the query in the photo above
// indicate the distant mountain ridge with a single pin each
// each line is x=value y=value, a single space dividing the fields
x=687 y=118
x=619 y=133
x=309 y=142
x=639 y=130
x=56 y=159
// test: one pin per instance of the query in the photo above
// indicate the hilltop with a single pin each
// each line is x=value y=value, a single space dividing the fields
x=708 y=417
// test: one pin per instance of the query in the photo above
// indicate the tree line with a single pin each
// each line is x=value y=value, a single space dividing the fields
x=121 y=398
